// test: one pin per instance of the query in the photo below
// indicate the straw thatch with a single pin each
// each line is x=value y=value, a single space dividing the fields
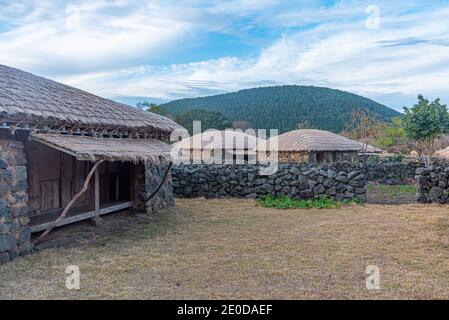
x=226 y=140
x=369 y=148
x=310 y=140
x=443 y=153
x=110 y=149
x=26 y=97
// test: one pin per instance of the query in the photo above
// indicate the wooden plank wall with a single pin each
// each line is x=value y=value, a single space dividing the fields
x=53 y=177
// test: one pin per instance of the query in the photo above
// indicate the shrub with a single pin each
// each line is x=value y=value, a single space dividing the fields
x=316 y=203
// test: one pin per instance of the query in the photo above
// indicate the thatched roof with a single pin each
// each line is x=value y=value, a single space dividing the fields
x=227 y=140
x=443 y=153
x=369 y=148
x=26 y=97
x=110 y=149
x=307 y=140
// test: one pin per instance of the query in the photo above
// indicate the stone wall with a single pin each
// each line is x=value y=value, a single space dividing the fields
x=14 y=230
x=298 y=181
x=390 y=171
x=433 y=184
x=150 y=177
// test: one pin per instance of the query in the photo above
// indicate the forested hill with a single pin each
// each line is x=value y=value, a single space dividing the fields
x=285 y=107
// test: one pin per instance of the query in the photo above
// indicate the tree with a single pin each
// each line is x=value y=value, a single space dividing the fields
x=363 y=128
x=425 y=122
x=147 y=105
x=155 y=108
x=284 y=107
x=209 y=120
x=391 y=134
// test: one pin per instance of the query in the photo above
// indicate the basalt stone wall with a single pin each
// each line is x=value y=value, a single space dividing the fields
x=150 y=177
x=387 y=171
x=433 y=184
x=14 y=230
x=298 y=181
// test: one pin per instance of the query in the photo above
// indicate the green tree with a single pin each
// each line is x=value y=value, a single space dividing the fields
x=425 y=122
x=155 y=108
x=391 y=134
x=284 y=107
x=209 y=120
x=147 y=105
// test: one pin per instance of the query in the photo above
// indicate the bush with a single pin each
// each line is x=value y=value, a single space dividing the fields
x=395 y=158
x=316 y=203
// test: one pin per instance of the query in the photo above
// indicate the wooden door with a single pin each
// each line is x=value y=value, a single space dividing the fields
x=48 y=178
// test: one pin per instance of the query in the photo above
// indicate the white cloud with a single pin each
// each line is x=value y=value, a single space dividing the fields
x=327 y=46
x=86 y=36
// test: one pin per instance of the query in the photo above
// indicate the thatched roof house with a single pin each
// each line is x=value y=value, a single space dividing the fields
x=29 y=99
x=229 y=144
x=443 y=153
x=54 y=137
x=310 y=145
x=368 y=149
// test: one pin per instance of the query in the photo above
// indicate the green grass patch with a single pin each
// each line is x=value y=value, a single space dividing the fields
x=402 y=189
x=316 y=203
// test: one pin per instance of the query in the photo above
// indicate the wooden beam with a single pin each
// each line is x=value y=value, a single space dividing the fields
x=83 y=216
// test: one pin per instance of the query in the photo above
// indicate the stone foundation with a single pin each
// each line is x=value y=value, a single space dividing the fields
x=150 y=176
x=14 y=230
x=298 y=181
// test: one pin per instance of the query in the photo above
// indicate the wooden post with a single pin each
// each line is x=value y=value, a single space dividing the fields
x=117 y=188
x=97 y=193
x=96 y=220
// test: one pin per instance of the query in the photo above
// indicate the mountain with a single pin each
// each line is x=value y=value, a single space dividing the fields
x=285 y=107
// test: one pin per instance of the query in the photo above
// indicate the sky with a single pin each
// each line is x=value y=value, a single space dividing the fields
x=131 y=50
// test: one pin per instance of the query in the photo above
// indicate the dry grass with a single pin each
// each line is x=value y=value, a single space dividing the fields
x=234 y=249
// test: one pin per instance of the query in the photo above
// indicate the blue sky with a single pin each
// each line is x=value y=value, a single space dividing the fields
x=128 y=50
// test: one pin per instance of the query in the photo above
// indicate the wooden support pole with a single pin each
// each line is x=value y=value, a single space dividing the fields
x=97 y=193
x=70 y=204
x=117 y=188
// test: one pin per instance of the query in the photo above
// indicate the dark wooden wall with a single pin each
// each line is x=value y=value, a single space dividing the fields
x=54 y=177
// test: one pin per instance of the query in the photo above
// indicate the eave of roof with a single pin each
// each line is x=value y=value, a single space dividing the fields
x=29 y=98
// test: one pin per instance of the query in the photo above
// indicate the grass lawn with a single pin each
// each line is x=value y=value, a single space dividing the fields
x=391 y=194
x=235 y=249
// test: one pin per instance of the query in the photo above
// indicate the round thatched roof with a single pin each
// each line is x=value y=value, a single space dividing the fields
x=29 y=98
x=232 y=140
x=443 y=153
x=311 y=140
x=369 y=148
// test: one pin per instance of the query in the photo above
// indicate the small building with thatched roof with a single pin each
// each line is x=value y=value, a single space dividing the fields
x=442 y=153
x=367 y=149
x=68 y=155
x=218 y=146
x=310 y=145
